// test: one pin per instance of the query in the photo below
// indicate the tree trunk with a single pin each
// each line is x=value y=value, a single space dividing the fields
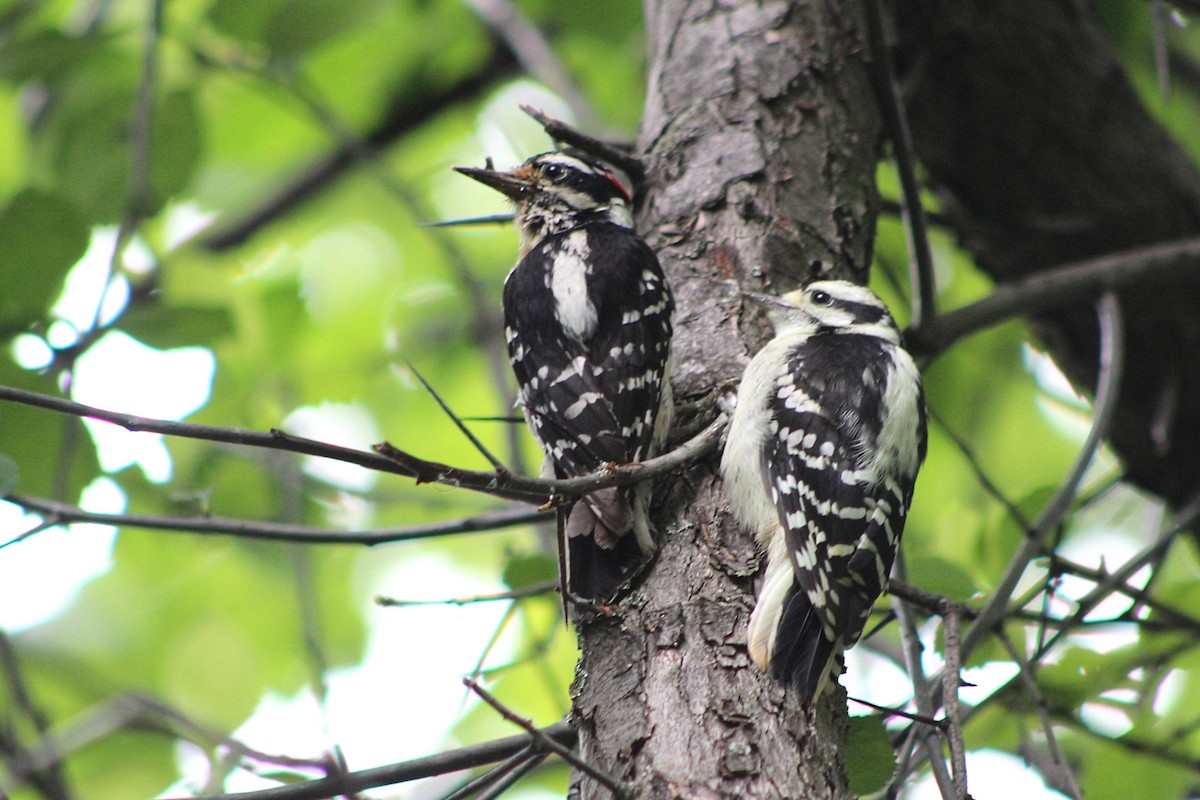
x=761 y=133
x=1044 y=154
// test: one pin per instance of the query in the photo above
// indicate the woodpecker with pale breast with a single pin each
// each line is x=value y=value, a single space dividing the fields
x=820 y=462
x=587 y=314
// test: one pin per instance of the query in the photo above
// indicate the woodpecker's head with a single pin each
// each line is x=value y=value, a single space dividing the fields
x=830 y=307
x=557 y=191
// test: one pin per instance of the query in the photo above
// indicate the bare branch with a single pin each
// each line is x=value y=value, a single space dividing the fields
x=513 y=487
x=512 y=594
x=951 y=680
x=556 y=490
x=922 y=695
x=493 y=775
x=1056 y=287
x=495 y=462
x=533 y=53
x=920 y=269
x=1065 y=775
x=63 y=513
x=568 y=755
x=562 y=132
x=415 y=103
x=561 y=733
x=46 y=776
x=1112 y=355
x=504 y=783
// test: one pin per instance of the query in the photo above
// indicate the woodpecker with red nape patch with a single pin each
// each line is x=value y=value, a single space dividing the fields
x=587 y=313
x=820 y=462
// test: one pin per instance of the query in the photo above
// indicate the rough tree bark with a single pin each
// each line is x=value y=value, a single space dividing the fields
x=1044 y=154
x=761 y=133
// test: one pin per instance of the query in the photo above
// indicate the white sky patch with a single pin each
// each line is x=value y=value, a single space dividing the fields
x=1105 y=719
x=31 y=352
x=86 y=283
x=347 y=424
x=184 y=221
x=40 y=575
x=1103 y=549
x=991 y=775
x=873 y=677
x=119 y=373
x=986 y=679
x=1170 y=690
x=1049 y=378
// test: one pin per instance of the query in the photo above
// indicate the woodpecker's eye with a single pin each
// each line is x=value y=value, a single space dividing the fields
x=822 y=298
x=554 y=172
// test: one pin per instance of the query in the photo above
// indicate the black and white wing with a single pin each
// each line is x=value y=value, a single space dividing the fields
x=842 y=521
x=591 y=359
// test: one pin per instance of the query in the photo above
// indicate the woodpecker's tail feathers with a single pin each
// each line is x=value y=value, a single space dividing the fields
x=803 y=656
x=604 y=515
x=595 y=573
x=606 y=539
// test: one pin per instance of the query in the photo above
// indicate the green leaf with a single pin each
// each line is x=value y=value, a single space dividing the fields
x=870 y=760
x=45 y=55
x=943 y=577
x=164 y=327
x=175 y=146
x=528 y=569
x=41 y=237
x=304 y=24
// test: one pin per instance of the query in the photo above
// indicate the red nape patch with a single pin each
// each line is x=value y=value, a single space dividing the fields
x=624 y=192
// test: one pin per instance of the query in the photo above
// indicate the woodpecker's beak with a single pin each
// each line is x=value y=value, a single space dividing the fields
x=768 y=300
x=515 y=185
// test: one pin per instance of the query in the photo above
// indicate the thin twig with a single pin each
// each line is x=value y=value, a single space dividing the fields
x=495 y=462
x=612 y=784
x=465 y=222
x=564 y=488
x=981 y=477
x=888 y=711
x=398 y=462
x=47 y=776
x=951 y=679
x=1162 y=69
x=486 y=322
x=1065 y=774
x=492 y=775
x=921 y=691
x=141 y=712
x=924 y=294
x=414 y=104
x=61 y=513
x=561 y=733
x=1055 y=287
x=562 y=132
x=1186 y=518
x=506 y=782
x=512 y=594
x=1112 y=355
x=533 y=53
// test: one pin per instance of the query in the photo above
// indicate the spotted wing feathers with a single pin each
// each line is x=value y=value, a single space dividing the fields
x=591 y=394
x=842 y=520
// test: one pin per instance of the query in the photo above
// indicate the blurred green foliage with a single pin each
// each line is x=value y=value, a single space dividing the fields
x=326 y=304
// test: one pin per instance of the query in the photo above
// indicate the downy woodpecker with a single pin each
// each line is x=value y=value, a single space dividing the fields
x=820 y=462
x=587 y=314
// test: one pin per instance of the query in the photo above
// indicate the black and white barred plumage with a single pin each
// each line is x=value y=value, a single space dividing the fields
x=587 y=314
x=822 y=454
